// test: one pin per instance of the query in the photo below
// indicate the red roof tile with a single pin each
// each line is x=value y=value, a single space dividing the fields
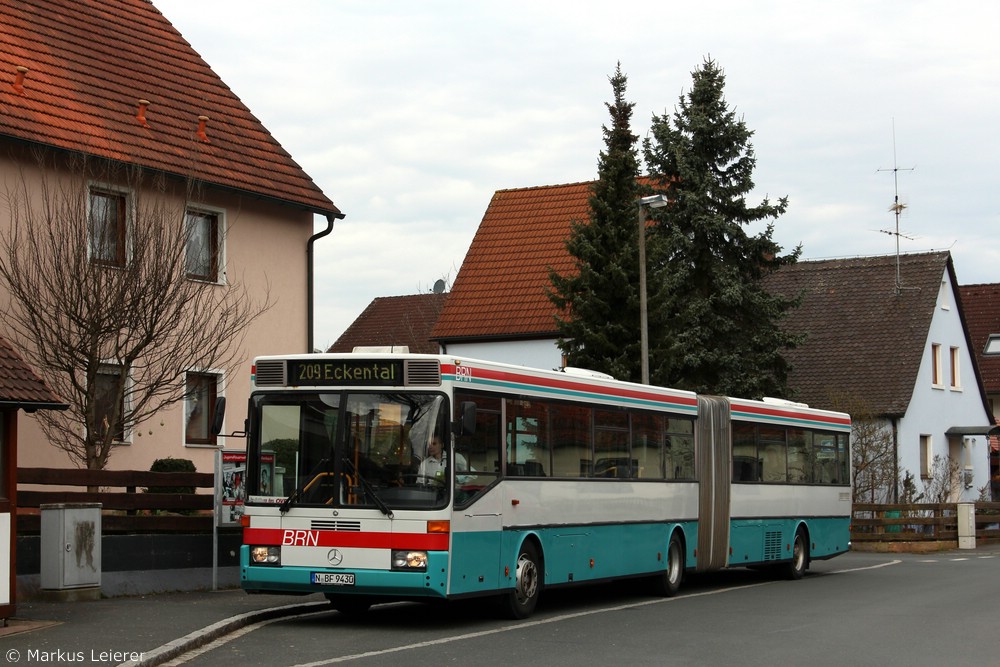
x=981 y=304
x=89 y=62
x=500 y=291
x=395 y=320
x=20 y=385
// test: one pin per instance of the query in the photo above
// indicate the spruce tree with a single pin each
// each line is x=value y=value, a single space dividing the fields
x=713 y=328
x=599 y=303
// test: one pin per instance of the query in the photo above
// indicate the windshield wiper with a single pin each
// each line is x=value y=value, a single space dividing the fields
x=379 y=503
x=287 y=503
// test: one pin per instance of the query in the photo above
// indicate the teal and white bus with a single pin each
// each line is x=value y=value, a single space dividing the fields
x=544 y=479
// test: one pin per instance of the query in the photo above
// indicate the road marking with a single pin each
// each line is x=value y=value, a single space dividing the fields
x=235 y=634
x=533 y=623
x=239 y=632
x=868 y=567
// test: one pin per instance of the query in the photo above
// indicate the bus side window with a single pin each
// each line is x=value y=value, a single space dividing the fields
x=481 y=450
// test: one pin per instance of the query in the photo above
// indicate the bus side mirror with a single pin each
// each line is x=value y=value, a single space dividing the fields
x=219 y=416
x=467 y=424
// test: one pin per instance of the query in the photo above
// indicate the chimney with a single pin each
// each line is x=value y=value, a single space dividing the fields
x=202 y=121
x=19 y=80
x=141 y=114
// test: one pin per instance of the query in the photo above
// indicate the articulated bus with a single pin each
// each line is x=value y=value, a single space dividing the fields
x=381 y=477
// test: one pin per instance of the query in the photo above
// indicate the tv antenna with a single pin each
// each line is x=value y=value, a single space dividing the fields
x=897 y=207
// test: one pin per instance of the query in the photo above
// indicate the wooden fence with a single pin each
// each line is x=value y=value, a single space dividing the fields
x=922 y=526
x=127 y=505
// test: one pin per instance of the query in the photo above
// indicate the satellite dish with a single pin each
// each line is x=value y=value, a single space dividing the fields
x=439 y=286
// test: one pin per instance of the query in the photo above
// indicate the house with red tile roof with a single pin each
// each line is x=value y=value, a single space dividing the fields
x=982 y=315
x=498 y=307
x=395 y=322
x=114 y=81
x=904 y=347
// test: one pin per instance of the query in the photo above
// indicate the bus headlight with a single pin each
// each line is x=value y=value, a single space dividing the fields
x=409 y=560
x=265 y=555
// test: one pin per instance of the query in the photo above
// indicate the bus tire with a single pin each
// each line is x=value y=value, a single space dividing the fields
x=349 y=605
x=796 y=567
x=668 y=582
x=520 y=601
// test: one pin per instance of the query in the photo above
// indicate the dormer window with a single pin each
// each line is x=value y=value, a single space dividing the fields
x=992 y=344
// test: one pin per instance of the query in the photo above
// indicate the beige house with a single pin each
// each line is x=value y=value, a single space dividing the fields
x=116 y=83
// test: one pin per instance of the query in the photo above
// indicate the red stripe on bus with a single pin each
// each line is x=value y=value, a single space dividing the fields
x=791 y=414
x=569 y=385
x=335 y=538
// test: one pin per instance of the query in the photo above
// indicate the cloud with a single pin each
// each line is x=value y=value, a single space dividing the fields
x=410 y=115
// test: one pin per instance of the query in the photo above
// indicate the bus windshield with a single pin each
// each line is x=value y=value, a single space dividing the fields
x=380 y=450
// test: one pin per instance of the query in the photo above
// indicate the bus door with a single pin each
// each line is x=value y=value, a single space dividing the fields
x=477 y=518
x=714 y=481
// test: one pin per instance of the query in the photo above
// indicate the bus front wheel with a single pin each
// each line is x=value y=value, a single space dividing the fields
x=520 y=601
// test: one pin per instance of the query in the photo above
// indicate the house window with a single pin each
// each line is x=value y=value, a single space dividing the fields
x=936 y=368
x=202 y=256
x=992 y=344
x=925 y=457
x=199 y=408
x=106 y=228
x=956 y=377
x=109 y=403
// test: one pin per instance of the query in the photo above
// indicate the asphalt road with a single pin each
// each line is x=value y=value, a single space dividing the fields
x=858 y=609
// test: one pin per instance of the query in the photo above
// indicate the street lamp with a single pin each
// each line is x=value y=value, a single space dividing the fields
x=653 y=201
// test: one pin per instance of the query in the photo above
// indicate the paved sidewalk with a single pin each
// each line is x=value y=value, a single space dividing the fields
x=145 y=630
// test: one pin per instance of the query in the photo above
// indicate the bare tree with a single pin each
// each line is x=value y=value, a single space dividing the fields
x=110 y=316
x=939 y=487
x=873 y=454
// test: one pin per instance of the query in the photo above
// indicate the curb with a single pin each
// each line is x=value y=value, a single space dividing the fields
x=198 y=638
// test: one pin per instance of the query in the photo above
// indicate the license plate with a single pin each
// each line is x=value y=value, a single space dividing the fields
x=333 y=578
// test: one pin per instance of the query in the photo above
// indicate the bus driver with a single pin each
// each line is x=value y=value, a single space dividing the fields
x=433 y=469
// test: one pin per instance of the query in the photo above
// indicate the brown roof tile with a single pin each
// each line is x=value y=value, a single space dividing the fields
x=20 y=385
x=395 y=320
x=863 y=336
x=91 y=61
x=500 y=291
x=981 y=305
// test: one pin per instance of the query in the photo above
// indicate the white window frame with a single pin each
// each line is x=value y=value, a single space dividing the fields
x=955 y=379
x=926 y=455
x=220 y=231
x=937 y=370
x=112 y=366
x=220 y=386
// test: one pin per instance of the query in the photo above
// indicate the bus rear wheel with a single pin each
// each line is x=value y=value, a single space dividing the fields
x=668 y=582
x=520 y=601
x=796 y=567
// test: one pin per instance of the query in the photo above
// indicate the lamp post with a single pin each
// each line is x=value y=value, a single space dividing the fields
x=653 y=201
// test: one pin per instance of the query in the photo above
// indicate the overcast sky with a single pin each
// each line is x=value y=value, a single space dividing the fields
x=410 y=115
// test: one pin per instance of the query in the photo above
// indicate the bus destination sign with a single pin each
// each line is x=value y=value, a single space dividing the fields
x=330 y=372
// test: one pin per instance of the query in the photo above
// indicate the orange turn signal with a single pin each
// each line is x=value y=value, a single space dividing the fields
x=439 y=526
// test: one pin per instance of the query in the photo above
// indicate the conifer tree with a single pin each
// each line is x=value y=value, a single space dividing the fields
x=599 y=304
x=713 y=328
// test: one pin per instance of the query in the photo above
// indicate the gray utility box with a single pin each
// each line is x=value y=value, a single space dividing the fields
x=71 y=545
